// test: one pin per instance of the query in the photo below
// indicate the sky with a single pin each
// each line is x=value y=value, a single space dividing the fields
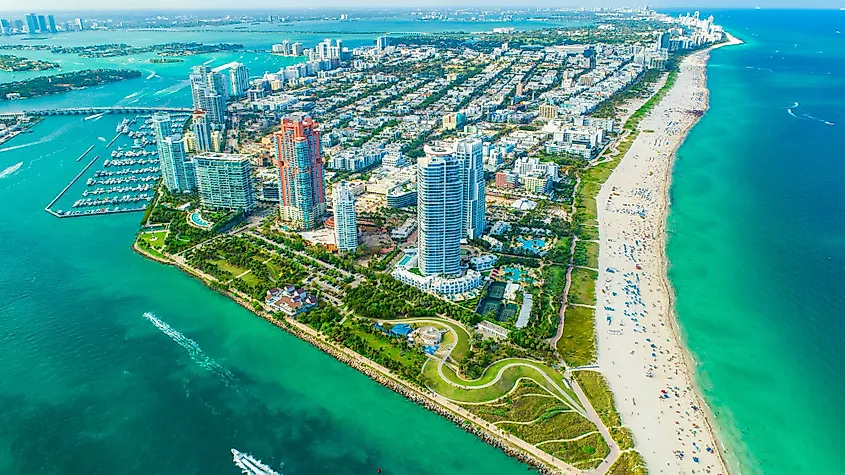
x=89 y=5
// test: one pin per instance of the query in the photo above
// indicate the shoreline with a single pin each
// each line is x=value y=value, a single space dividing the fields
x=543 y=462
x=659 y=441
x=674 y=323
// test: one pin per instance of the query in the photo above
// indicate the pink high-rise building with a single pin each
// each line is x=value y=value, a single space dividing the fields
x=302 y=197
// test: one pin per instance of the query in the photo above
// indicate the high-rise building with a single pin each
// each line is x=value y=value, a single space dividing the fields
x=174 y=170
x=469 y=153
x=216 y=141
x=301 y=187
x=209 y=91
x=162 y=126
x=5 y=27
x=345 y=220
x=382 y=42
x=51 y=24
x=239 y=79
x=201 y=131
x=297 y=49
x=199 y=84
x=31 y=24
x=439 y=212
x=42 y=24
x=224 y=181
x=79 y=24
x=171 y=154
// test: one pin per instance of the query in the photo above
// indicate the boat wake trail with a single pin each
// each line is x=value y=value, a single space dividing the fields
x=10 y=170
x=194 y=351
x=250 y=465
x=174 y=88
x=15 y=147
x=825 y=122
x=806 y=116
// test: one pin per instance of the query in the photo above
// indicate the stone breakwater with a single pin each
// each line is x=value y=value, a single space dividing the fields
x=380 y=376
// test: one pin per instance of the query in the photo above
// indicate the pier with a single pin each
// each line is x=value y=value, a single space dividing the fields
x=113 y=140
x=62 y=193
x=85 y=153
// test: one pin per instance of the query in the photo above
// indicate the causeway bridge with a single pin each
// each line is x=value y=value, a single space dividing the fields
x=96 y=110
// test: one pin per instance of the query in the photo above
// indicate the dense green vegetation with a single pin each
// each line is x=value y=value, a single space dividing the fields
x=13 y=63
x=227 y=258
x=583 y=288
x=385 y=298
x=396 y=354
x=598 y=392
x=586 y=254
x=577 y=345
x=120 y=49
x=628 y=463
x=44 y=85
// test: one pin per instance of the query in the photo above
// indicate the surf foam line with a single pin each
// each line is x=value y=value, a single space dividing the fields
x=194 y=350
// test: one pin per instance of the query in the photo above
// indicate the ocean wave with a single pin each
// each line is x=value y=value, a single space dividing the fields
x=194 y=350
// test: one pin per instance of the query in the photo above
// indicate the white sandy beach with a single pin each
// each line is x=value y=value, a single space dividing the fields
x=639 y=351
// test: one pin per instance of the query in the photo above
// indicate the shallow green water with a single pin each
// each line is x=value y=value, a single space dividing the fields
x=757 y=240
x=91 y=386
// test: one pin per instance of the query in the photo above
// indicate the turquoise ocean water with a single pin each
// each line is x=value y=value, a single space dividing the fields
x=91 y=386
x=757 y=240
x=757 y=234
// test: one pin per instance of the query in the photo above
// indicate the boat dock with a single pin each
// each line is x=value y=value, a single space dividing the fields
x=62 y=193
x=85 y=153
x=112 y=140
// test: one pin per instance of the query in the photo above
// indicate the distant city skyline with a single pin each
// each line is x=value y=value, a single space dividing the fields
x=206 y=5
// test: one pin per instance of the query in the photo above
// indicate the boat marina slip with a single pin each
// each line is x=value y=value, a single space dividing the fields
x=135 y=167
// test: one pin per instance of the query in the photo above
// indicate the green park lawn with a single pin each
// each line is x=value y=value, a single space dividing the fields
x=587 y=254
x=577 y=346
x=583 y=288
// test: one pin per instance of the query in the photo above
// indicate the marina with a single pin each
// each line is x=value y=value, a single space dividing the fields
x=124 y=183
x=64 y=190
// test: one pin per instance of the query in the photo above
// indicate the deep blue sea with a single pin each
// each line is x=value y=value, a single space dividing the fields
x=757 y=240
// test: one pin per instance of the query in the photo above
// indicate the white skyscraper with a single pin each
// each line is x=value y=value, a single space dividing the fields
x=209 y=91
x=382 y=42
x=175 y=172
x=201 y=130
x=469 y=153
x=440 y=207
x=345 y=220
x=239 y=79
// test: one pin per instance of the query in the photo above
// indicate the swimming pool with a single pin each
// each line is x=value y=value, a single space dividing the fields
x=536 y=246
x=405 y=260
x=196 y=220
x=516 y=275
